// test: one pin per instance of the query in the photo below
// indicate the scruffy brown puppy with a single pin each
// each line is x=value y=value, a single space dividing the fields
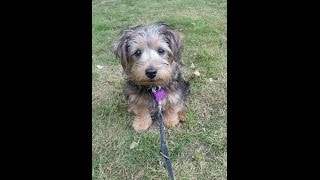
x=150 y=57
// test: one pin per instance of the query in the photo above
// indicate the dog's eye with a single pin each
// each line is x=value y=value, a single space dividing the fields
x=161 y=51
x=137 y=53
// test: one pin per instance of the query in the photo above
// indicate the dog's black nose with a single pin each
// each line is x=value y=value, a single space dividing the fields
x=151 y=73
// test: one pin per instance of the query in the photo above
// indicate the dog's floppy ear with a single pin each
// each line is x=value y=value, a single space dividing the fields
x=121 y=48
x=174 y=39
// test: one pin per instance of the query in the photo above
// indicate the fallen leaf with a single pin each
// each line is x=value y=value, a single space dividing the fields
x=99 y=67
x=196 y=72
x=133 y=145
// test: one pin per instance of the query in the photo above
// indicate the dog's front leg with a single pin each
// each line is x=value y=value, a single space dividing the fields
x=171 y=117
x=142 y=120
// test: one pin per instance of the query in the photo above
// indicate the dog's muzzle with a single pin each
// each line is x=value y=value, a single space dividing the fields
x=151 y=73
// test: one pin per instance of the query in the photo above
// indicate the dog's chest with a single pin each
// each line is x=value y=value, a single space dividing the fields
x=148 y=100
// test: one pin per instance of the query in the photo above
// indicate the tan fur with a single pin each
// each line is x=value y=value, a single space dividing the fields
x=171 y=115
x=142 y=121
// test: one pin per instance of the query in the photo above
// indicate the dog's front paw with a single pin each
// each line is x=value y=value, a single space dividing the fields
x=141 y=124
x=170 y=122
x=182 y=115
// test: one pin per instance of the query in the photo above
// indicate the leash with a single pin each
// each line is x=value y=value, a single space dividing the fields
x=159 y=94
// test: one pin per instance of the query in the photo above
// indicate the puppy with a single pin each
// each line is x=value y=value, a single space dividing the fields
x=151 y=59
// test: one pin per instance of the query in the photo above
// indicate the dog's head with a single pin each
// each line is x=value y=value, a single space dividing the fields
x=150 y=55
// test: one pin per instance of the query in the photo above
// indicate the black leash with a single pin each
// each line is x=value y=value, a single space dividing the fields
x=163 y=148
x=159 y=94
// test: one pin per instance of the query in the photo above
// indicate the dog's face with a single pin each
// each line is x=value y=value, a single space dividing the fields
x=150 y=55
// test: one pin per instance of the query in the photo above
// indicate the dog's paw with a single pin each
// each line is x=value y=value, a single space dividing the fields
x=169 y=123
x=141 y=124
x=182 y=115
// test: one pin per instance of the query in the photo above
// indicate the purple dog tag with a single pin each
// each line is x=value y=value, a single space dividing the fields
x=159 y=94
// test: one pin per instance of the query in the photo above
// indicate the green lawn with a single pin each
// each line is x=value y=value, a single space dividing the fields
x=198 y=147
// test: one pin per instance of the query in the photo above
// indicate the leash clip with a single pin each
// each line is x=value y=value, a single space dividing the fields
x=159 y=106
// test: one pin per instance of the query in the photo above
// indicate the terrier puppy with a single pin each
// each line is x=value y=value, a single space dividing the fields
x=150 y=57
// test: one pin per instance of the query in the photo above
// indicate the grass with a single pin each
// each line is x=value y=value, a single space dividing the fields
x=198 y=147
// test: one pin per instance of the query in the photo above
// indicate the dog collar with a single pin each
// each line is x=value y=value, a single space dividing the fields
x=159 y=93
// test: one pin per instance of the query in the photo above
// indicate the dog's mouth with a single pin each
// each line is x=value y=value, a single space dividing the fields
x=152 y=82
